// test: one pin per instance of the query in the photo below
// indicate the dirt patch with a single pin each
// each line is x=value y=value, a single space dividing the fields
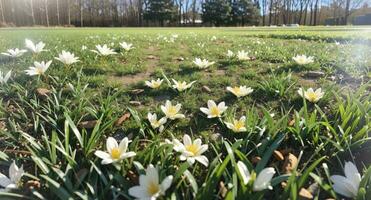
x=218 y=72
x=136 y=78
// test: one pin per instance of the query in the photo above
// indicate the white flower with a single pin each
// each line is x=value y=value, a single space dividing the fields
x=14 y=53
x=38 y=69
x=172 y=112
x=103 y=50
x=243 y=55
x=311 y=95
x=174 y=35
x=201 y=44
x=347 y=185
x=4 y=78
x=180 y=86
x=39 y=47
x=202 y=63
x=67 y=58
x=83 y=47
x=230 y=54
x=152 y=118
x=154 y=84
x=237 y=125
x=126 y=46
x=262 y=182
x=149 y=187
x=240 y=91
x=15 y=175
x=214 y=110
x=303 y=59
x=191 y=151
x=115 y=152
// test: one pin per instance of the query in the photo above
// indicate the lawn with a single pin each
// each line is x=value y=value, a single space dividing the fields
x=60 y=124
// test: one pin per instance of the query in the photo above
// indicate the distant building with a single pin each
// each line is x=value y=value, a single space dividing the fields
x=362 y=20
x=334 y=21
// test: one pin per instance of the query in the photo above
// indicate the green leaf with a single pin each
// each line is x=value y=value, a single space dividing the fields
x=74 y=129
x=263 y=162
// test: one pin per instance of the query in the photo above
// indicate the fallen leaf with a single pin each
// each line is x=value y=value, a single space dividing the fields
x=43 y=91
x=122 y=119
x=137 y=91
x=206 y=89
x=305 y=194
x=256 y=159
x=291 y=162
x=88 y=124
x=135 y=103
x=222 y=189
x=278 y=155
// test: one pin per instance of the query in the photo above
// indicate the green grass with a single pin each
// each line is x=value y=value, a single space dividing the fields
x=45 y=133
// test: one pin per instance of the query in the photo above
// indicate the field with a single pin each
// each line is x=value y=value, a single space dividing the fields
x=56 y=124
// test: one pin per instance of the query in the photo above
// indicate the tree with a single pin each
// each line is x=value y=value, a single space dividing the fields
x=46 y=12
x=32 y=13
x=81 y=13
x=244 y=12
x=2 y=11
x=217 y=12
x=161 y=11
x=58 y=20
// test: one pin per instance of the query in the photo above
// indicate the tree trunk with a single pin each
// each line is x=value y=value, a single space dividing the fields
x=58 y=20
x=270 y=12
x=82 y=13
x=140 y=12
x=180 y=12
x=194 y=12
x=311 y=14
x=347 y=12
x=46 y=12
x=315 y=13
x=2 y=12
x=306 y=13
x=264 y=8
x=32 y=13
x=69 y=12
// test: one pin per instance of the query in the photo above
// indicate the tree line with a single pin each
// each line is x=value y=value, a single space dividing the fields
x=177 y=12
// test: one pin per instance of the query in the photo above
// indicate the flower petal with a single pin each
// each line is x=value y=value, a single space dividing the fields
x=244 y=172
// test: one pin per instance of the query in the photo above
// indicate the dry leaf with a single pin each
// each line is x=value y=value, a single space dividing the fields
x=43 y=91
x=305 y=194
x=278 y=155
x=122 y=119
x=291 y=162
x=88 y=124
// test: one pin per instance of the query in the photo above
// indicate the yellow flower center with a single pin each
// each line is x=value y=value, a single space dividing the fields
x=39 y=71
x=192 y=148
x=312 y=97
x=301 y=60
x=171 y=111
x=236 y=90
x=239 y=124
x=182 y=86
x=156 y=84
x=153 y=188
x=115 y=153
x=214 y=111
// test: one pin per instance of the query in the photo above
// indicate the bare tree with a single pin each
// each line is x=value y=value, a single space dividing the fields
x=32 y=13
x=46 y=12
x=349 y=6
x=69 y=12
x=2 y=11
x=58 y=21
x=81 y=13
